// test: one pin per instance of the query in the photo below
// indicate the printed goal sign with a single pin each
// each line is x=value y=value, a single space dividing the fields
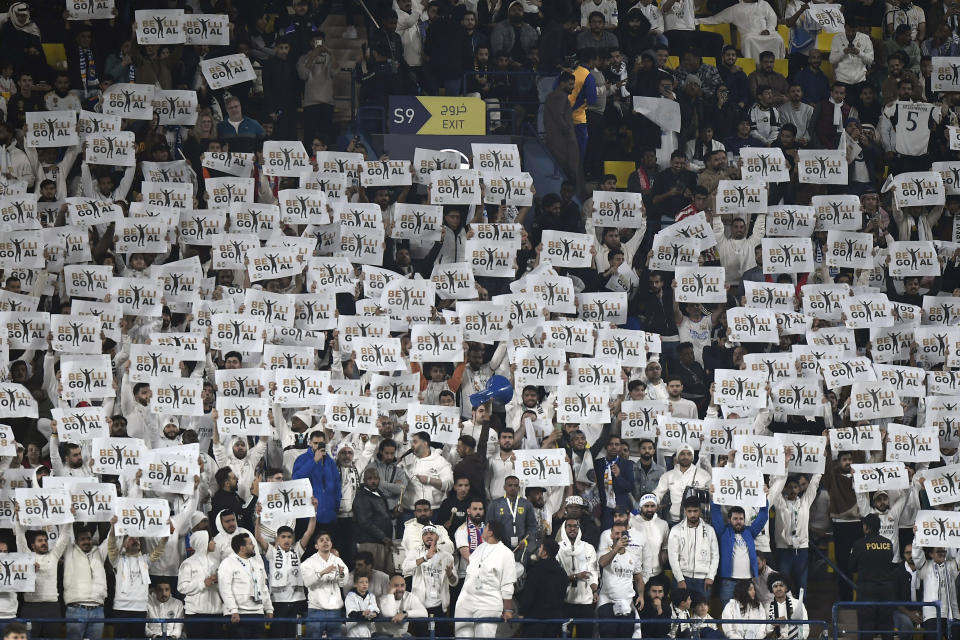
x=286 y=500
x=543 y=467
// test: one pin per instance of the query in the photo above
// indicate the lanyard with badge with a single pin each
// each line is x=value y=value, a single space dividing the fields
x=513 y=514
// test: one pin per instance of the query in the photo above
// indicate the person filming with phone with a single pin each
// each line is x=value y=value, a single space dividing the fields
x=316 y=69
x=318 y=467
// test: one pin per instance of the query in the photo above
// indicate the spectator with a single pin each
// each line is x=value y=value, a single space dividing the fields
x=694 y=567
x=236 y=125
x=747 y=610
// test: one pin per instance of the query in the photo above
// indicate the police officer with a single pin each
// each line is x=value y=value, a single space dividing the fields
x=872 y=560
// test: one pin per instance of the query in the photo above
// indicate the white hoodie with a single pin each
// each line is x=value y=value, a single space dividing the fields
x=199 y=599
x=576 y=557
x=434 y=466
x=323 y=591
x=245 y=467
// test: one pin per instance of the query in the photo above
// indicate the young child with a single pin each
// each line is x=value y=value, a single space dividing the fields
x=436 y=383
x=699 y=616
x=361 y=605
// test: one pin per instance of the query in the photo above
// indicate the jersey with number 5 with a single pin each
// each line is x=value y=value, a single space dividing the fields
x=912 y=122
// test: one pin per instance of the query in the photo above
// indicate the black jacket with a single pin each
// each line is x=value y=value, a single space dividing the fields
x=230 y=501
x=872 y=559
x=371 y=516
x=545 y=590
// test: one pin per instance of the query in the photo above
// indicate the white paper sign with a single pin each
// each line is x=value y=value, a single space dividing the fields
x=912 y=444
x=41 y=507
x=51 y=129
x=175 y=107
x=542 y=467
x=285 y=158
x=226 y=71
x=762 y=453
x=158 y=26
x=805 y=454
x=945 y=75
x=872 y=400
x=18 y=572
x=937 y=529
x=167 y=473
x=738 y=487
x=752 y=325
x=620 y=209
x=879 y=475
x=211 y=29
x=460 y=186
x=849 y=249
x=128 y=100
x=700 y=284
x=143 y=517
x=741 y=197
x=442 y=423
x=90 y=9
x=177 y=396
x=787 y=255
x=115 y=149
x=287 y=501
x=81 y=424
x=790 y=220
x=764 y=164
x=822 y=166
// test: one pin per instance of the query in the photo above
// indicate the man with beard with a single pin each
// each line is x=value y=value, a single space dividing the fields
x=42 y=601
x=889 y=513
x=227 y=524
x=422 y=517
x=241 y=459
x=227 y=497
x=527 y=400
x=132 y=580
x=736 y=541
x=683 y=475
x=615 y=479
x=652 y=531
x=844 y=511
x=468 y=536
x=791 y=535
x=574 y=508
x=501 y=466
x=646 y=472
x=72 y=455
x=579 y=559
x=515 y=515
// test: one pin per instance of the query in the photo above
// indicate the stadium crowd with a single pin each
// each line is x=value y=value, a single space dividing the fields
x=250 y=370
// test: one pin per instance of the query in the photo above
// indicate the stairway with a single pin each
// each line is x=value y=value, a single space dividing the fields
x=347 y=53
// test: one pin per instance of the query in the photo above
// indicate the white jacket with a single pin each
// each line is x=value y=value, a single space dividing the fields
x=434 y=466
x=323 y=591
x=744 y=631
x=408 y=604
x=431 y=572
x=84 y=578
x=243 y=586
x=938 y=582
x=172 y=608
x=45 y=589
x=737 y=256
x=354 y=603
x=412 y=539
x=491 y=576
x=652 y=534
x=245 y=468
x=576 y=557
x=792 y=515
x=674 y=482
x=199 y=599
x=693 y=551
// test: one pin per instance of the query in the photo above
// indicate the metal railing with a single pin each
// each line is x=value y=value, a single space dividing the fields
x=850 y=583
x=869 y=633
x=430 y=623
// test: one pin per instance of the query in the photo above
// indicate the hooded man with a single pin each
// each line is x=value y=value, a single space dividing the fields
x=291 y=439
x=197 y=581
x=422 y=517
x=229 y=529
x=579 y=559
x=429 y=474
x=433 y=572
x=240 y=458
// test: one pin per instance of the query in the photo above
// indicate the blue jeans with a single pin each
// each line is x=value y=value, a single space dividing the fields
x=903 y=624
x=80 y=630
x=725 y=588
x=696 y=585
x=320 y=620
x=793 y=564
x=582 y=136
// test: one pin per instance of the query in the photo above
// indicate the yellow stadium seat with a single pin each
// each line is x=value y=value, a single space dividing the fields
x=876 y=33
x=784 y=32
x=749 y=65
x=55 y=53
x=709 y=61
x=781 y=66
x=824 y=40
x=620 y=168
x=722 y=29
x=673 y=62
